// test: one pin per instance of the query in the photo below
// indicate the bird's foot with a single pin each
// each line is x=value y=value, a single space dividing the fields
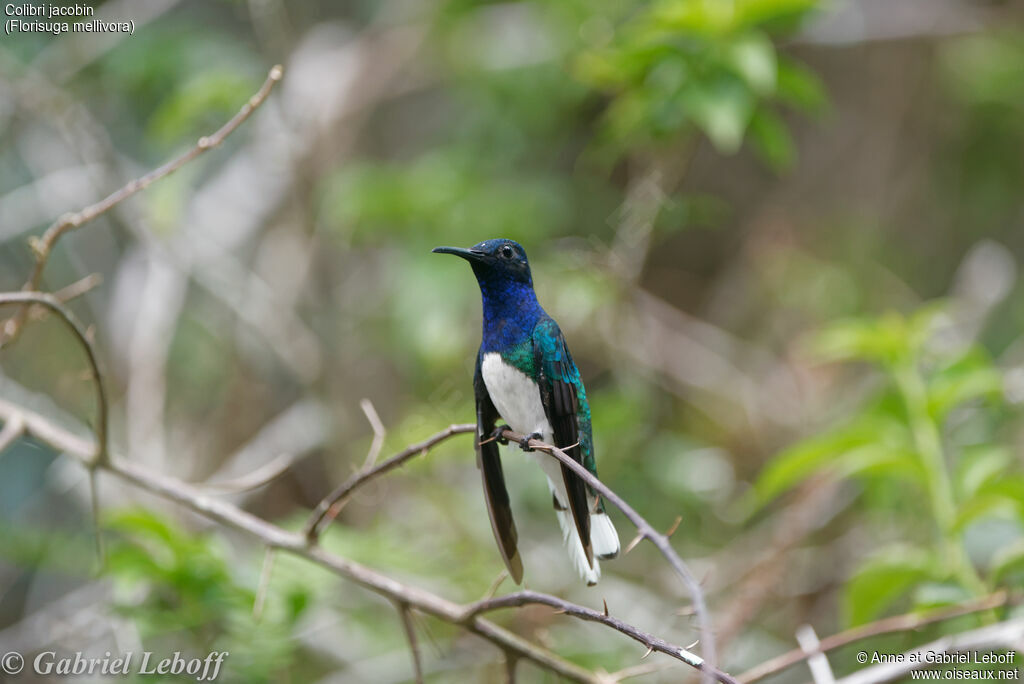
x=524 y=443
x=497 y=436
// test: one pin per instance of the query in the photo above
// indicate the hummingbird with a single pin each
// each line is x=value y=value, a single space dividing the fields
x=526 y=375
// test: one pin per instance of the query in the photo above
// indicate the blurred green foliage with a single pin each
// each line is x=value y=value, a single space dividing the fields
x=905 y=438
x=532 y=120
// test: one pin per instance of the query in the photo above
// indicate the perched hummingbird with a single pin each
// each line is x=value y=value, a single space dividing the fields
x=525 y=374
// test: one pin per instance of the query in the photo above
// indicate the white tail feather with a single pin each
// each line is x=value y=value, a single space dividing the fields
x=603 y=536
x=575 y=548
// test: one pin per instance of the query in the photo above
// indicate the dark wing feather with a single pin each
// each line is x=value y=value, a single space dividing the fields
x=489 y=462
x=557 y=379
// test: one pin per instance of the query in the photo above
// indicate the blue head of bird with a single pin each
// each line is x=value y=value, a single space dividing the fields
x=506 y=286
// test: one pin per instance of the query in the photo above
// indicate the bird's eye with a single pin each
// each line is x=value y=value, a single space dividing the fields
x=506 y=252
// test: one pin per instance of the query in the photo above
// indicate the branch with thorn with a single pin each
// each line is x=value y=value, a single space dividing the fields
x=661 y=541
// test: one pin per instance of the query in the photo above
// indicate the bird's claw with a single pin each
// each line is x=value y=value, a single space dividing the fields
x=497 y=436
x=524 y=443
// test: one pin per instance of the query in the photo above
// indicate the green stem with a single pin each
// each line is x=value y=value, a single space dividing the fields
x=928 y=444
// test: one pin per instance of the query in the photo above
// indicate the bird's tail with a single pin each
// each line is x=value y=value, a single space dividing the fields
x=603 y=539
x=576 y=553
x=603 y=536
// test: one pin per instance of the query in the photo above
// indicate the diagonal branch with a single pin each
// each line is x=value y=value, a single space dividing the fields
x=410 y=634
x=275 y=537
x=25 y=299
x=42 y=247
x=652 y=642
x=705 y=664
x=332 y=504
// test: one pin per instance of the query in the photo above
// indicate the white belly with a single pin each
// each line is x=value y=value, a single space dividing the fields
x=517 y=399
x=515 y=395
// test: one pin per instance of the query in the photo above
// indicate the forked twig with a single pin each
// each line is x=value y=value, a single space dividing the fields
x=331 y=504
x=25 y=299
x=705 y=664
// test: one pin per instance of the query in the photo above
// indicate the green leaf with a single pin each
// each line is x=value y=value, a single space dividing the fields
x=997 y=497
x=971 y=376
x=980 y=465
x=885 y=339
x=883 y=459
x=798 y=86
x=753 y=58
x=938 y=594
x=884 y=578
x=1006 y=562
x=871 y=441
x=722 y=109
x=771 y=139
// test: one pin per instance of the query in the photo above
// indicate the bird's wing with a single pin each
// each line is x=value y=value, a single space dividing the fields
x=489 y=462
x=559 y=378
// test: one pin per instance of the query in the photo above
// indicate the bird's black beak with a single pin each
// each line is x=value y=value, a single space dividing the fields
x=467 y=254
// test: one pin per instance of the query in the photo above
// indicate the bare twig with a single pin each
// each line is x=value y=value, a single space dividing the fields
x=817 y=661
x=94 y=507
x=66 y=294
x=331 y=504
x=260 y=477
x=12 y=432
x=42 y=247
x=79 y=287
x=899 y=623
x=296 y=544
x=510 y=668
x=379 y=433
x=264 y=586
x=522 y=598
x=410 y=634
x=705 y=664
x=50 y=302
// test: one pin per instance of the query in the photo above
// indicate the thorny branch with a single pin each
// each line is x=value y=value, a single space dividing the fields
x=43 y=247
x=331 y=504
x=646 y=531
x=279 y=539
x=18 y=422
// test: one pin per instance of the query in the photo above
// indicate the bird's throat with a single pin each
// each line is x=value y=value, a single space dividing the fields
x=510 y=312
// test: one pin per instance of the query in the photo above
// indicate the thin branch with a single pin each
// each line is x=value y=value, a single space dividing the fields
x=79 y=287
x=264 y=475
x=43 y=247
x=68 y=293
x=410 y=634
x=510 y=667
x=14 y=428
x=331 y=505
x=522 y=598
x=94 y=507
x=707 y=664
x=51 y=303
x=379 y=432
x=899 y=623
x=821 y=670
x=276 y=537
x=264 y=586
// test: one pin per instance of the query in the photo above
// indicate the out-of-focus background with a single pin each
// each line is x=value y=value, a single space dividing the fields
x=783 y=240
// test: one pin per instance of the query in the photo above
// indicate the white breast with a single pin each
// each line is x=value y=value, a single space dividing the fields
x=515 y=395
